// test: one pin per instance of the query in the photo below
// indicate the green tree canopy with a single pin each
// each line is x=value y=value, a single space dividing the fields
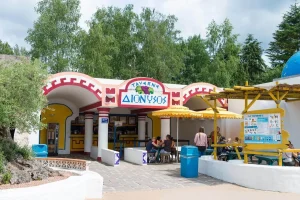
x=286 y=40
x=224 y=50
x=252 y=63
x=5 y=48
x=196 y=61
x=21 y=97
x=160 y=54
x=53 y=37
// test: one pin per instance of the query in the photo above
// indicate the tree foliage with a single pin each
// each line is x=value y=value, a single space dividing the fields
x=5 y=48
x=224 y=50
x=21 y=96
x=54 y=35
x=286 y=40
x=252 y=64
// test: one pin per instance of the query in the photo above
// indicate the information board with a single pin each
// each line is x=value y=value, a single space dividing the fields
x=262 y=128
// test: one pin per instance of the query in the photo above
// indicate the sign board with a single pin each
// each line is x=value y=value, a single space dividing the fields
x=104 y=120
x=144 y=93
x=262 y=128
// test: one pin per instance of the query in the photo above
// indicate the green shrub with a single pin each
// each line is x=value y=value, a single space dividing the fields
x=6 y=178
x=12 y=150
x=2 y=160
x=25 y=152
x=9 y=149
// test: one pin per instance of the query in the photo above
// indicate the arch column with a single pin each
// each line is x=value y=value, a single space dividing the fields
x=164 y=127
x=88 y=132
x=142 y=127
x=102 y=130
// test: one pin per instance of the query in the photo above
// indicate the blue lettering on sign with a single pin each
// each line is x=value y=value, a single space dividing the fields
x=144 y=99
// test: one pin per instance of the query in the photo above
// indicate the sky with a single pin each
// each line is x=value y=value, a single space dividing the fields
x=258 y=17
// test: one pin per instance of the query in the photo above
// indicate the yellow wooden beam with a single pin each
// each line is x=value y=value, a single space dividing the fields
x=272 y=96
x=282 y=97
x=251 y=103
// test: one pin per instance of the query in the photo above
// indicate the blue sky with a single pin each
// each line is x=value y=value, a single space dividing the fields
x=258 y=17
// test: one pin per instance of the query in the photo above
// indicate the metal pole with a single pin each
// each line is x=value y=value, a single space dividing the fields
x=177 y=141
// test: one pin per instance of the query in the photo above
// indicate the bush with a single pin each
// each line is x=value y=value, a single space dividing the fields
x=12 y=150
x=6 y=178
x=2 y=160
x=25 y=152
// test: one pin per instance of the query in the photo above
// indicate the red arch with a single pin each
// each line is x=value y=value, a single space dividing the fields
x=206 y=89
x=78 y=80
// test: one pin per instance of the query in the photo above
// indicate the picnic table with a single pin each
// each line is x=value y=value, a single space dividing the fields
x=269 y=159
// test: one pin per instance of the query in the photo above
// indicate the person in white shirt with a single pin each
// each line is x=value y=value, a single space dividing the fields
x=288 y=156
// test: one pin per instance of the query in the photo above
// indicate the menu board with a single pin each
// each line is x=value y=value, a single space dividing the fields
x=262 y=128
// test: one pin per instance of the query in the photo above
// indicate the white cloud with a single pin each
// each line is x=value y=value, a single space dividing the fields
x=259 y=17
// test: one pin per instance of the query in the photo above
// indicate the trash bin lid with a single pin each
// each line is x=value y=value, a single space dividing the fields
x=188 y=150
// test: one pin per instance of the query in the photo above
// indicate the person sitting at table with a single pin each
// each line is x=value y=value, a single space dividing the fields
x=218 y=135
x=288 y=159
x=222 y=151
x=150 y=147
x=200 y=141
x=237 y=141
x=158 y=141
x=167 y=143
x=173 y=148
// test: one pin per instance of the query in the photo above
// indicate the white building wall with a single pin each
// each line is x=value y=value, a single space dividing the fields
x=189 y=127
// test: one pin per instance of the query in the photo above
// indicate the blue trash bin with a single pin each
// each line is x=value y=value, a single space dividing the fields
x=189 y=156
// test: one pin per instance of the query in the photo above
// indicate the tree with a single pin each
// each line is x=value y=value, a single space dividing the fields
x=196 y=60
x=97 y=52
x=253 y=65
x=21 y=98
x=160 y=54
x=224 y=50
x=286 y=39
x=53 y=37
x=20 y=51
x=5 y=48
x=118 y=26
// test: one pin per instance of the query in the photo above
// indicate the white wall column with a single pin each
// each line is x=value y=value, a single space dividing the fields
x=102 y=130
x=141 y=127
x=88 y=132
x=164 y=127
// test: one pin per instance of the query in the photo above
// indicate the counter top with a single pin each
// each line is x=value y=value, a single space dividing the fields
x=80 y=135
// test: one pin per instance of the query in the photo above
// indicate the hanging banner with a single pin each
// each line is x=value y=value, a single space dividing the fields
x=262 y=128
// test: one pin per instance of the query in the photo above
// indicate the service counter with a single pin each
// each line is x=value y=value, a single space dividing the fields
x=77 y=142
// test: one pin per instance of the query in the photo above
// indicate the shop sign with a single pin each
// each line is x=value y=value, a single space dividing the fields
x=262 y=128
x=144 y=93
x=104 y=120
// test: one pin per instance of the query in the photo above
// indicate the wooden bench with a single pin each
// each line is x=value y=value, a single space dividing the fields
x=208 y=152
x=269 y=159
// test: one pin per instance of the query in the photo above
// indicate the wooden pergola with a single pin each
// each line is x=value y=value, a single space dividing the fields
x=276 y=92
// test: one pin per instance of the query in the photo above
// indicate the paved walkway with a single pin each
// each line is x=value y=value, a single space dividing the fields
x=129 y=177
x=163 y=182
x=224 y=192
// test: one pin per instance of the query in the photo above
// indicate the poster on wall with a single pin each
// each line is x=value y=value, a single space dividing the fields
x=262 y=128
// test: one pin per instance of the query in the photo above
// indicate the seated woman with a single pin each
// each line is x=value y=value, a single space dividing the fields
x=167 y=143
x=150 y=147
x=237 y=141
x=289 y=156
x=222 y=151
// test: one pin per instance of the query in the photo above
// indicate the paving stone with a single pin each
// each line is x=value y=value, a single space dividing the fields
x=128 y=177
